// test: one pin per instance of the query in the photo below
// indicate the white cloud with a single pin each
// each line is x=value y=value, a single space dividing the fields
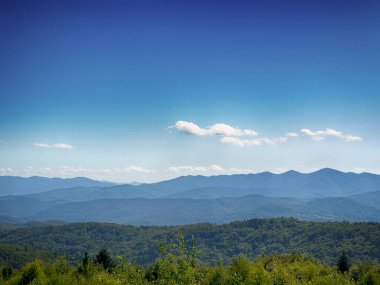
x=292 y=135
x=218 y=129
x=213 y=169
x=56 y=145
x=122 y=174
x=191 y=169
x=320 y=135
x=189 y=128
x=239 y=137
x=63 y=146
x=42 y=145
x=133 y=169
x=350 y=138
x=6 y=170
x=280 y=140
x=253 y=142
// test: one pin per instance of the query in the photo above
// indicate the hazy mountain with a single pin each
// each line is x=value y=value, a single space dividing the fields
x=14 y=185
x=323 y=195
x=78 y=194
x=169 y=211
x=371 y=199
x=323 y=183
x=140 y=211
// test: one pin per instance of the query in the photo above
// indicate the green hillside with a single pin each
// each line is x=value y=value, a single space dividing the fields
x=324 y=241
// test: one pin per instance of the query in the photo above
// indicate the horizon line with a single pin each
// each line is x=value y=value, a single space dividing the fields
x=192 y=175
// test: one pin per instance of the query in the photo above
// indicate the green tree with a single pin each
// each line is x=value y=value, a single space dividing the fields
x=104 y=258
x=85 y=267
x=7 y=272
x=343 y=263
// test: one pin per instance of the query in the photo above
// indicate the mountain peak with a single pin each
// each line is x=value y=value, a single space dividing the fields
x=327 y=170
x=291 y=172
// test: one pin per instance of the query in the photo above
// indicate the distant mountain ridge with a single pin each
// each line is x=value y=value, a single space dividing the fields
x=15 y=185
x=320 y=184
x=324 y=195
x=141 y=211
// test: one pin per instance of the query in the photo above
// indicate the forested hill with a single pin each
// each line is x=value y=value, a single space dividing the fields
x=324 y=241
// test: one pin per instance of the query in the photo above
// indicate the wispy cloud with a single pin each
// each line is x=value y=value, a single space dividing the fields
x=124 y=174
x=189 y=168
x=320 y=135
x=44 y=145
x=133 y=169
x=292 y=135
x=6 y=170
x=208 y=169
x=218 y=129
x=243 y=137
x=255 y=141
x=56 y=145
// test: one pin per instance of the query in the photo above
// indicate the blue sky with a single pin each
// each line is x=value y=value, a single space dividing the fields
x=149 y=90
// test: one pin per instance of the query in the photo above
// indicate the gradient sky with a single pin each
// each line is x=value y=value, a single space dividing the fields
x=132 y=90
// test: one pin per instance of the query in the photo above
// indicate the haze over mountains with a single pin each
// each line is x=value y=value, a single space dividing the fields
x=323 y=195
x=15 y=185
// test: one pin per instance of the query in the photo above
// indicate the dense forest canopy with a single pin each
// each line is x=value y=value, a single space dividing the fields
x=216 y=243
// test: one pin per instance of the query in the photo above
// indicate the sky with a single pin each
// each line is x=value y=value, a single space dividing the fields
x=150 y=90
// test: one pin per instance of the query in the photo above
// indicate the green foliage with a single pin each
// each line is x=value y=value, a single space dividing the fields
x=18 y=255
x=366 y=273
x=324 y=241
x=32 y=272
x=175 y=266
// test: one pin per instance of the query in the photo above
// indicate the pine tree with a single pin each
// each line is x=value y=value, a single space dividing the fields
x=104 y=258
x=343 y=263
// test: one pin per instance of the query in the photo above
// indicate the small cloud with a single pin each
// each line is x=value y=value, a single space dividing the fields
x=134 y=169
x=73 y=171
x=252 y=142
x=44 y=145
x=292 y=135
x=350 y=138
x=63 y=146
x=57 y=145
x=320 y=135
x=219 y=129
x=280 y=140
x=5 y=170
x=210 y=169
x=192 y=169
x=359 y=169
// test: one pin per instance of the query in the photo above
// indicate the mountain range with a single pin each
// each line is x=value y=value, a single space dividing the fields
x=324 y=195
x=15 y=185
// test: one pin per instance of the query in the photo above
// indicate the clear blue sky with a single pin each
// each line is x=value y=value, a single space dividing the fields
x=132 y=90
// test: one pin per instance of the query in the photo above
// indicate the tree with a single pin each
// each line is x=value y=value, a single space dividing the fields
x=85 y=267
x=343 y=263
x=7 y=272
x=105 y=259
x=86 y=259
